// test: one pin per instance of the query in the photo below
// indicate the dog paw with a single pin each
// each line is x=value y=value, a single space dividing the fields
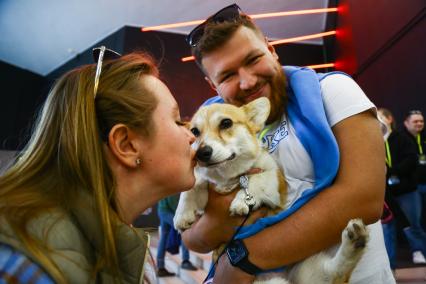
x=355 y=236
x=184 y=221
x=238 y=207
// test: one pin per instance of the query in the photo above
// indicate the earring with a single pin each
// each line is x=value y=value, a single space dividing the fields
x=138 y=162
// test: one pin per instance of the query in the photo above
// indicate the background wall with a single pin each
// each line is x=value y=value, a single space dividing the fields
x=382 y=43
x=40 y=35
x=21 y=92
x=26 y=90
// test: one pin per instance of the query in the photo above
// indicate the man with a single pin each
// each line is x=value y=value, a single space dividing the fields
x=240 y=65
x=414 y=128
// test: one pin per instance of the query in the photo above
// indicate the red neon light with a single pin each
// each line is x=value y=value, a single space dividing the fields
x=255 y=16
x=301 y=38
x=188 y=58
x=282 y=41
x=318 y=66
x=170 y=26
x=293 y=13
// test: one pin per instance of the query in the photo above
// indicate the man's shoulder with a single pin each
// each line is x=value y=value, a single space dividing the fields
x=290 y=70
x=213 y=100
x=404 y=140
x=404 y=131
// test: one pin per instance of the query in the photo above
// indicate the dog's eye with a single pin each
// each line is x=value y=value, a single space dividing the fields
x=225 y=123
x=195 y=131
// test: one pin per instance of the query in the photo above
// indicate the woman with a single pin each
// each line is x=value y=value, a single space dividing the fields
x=99 y=155
x=401 y=162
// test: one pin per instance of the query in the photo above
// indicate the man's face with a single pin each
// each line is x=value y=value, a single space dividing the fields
x=245 y=68
x=414 y=123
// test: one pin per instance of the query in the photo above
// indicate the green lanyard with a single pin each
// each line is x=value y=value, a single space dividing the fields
x=388 y=155
x=264 y=131
x=419 y=142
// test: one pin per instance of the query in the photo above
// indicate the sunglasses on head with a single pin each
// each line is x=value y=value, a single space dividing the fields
x=99 y=54
x=226 y=14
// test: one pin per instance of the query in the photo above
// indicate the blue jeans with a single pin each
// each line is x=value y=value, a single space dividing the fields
x=389 y=233
x=421 y=188
x=411 y=205
x=166 y=223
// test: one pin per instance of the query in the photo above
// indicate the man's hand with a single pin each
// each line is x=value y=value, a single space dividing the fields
x=226 y=273
x=216 y=227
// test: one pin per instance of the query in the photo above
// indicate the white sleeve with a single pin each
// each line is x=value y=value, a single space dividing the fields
x=343 y=98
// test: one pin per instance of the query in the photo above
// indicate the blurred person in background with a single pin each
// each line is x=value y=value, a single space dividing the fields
x=414 y=127
x=401 y=162
x=166 y=211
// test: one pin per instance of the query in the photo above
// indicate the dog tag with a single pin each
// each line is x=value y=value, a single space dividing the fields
x=249 y=199
x=244 y=182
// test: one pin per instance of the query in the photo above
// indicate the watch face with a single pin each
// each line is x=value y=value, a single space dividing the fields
x=236 y=252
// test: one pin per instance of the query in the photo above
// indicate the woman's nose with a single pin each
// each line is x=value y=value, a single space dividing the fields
x=191 y=136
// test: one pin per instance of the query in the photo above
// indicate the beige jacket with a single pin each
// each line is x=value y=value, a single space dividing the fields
x=76 y=239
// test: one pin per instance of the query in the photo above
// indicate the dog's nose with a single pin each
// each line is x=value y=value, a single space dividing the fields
x=204 y=153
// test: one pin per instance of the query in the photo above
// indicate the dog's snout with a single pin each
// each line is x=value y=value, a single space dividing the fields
x=204 y=153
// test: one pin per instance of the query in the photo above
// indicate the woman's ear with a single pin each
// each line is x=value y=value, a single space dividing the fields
x=125 y=145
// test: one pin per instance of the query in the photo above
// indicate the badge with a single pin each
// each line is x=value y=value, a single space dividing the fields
x=422 y=159
x=393 y=180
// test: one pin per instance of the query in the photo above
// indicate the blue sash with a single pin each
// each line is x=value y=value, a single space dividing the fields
x=307 y=115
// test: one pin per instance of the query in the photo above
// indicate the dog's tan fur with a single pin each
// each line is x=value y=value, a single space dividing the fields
x=235 y=150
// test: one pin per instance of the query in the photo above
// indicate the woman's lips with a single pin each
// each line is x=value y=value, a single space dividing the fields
x=193 y=159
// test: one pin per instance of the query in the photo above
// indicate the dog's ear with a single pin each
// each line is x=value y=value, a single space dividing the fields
x=257 y=112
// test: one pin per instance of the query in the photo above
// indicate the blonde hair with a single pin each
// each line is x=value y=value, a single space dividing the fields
x=388 y=114
x=65 y=156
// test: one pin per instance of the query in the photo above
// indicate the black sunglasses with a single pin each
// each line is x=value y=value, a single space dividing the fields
x=99 y=54
x=226 y=14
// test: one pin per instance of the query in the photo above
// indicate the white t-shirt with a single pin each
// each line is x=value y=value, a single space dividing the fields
x=342 y=98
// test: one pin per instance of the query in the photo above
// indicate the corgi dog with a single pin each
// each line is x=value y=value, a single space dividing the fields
x=231 y=158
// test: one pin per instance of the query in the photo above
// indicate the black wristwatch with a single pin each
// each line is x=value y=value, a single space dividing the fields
x=238 y=256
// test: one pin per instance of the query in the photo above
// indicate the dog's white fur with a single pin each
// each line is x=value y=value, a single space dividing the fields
x=230 y=132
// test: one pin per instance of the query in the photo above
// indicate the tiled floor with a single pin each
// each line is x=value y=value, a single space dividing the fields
x=407 y=272
x=414 y=275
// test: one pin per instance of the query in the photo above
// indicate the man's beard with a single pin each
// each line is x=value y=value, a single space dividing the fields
x=278 y=97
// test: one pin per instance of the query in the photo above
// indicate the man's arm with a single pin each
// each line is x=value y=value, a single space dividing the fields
x=357 y=192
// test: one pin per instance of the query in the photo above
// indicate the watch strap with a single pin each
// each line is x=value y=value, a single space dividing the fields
x=241 y=262
x=248 y=267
